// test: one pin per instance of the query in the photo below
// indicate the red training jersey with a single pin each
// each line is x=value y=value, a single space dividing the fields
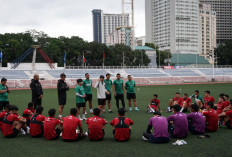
x=176 y=99
x=2 y=115
x=95 y=125
x=227 y=103
x=155 y=103
x=36 y=122
x=122 y=131
x=220 y=107
x=211 y=120
x=50 y=124
x=182 y=100
x=7 y=124
x=208 y=99
x=27 y=113
x=229 y=113
x=70 y=125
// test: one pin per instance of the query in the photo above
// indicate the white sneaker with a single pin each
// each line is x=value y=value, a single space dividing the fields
x=184 y=142
x=60 y=134
x=23 y=132
x=77 y=131
x=28 y=131
x=145 y=139
x=91 y=111
x=86 y=134
x=86 y=112
x=83 y=118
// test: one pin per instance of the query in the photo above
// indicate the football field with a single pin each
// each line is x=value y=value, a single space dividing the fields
x=218 y=145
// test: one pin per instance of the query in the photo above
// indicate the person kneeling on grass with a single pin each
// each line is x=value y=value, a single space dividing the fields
x=121 y=126
x=12 y=123
x=96 y=126
x=3 y=114
x=196 y=121
x=50 y=124
x=211 y=117
x=70 y=125
x=36 y=123
x=160 y=126
x=155 y=102
x=180 y=121
x=227 y=116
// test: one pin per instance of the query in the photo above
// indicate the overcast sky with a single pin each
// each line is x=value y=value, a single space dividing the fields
x=61 y=17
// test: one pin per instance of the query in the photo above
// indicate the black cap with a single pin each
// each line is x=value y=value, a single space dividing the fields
x=102 y=76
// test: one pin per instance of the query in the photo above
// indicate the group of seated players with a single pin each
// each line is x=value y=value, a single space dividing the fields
x=204 y=116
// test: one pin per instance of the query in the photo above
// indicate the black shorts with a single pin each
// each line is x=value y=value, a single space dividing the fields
x=58 y=132
x=88 y=97
x=108 y=96
x=14 y=134
x=62 y=100
x=101 y=101
x=185 y=110
x=79 y=105
x=131 y=96
x=3 y=104
x=73 y=140
x=228 y=124
x=41 y=134
x=37 y=101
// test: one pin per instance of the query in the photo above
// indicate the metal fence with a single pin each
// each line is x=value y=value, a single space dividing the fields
x=139 y=81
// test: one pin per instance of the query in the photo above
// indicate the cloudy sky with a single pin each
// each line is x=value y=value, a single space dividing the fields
x=61 y=17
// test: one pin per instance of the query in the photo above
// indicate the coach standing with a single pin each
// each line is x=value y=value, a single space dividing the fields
x=119 y=91
x=37 y=91
x=62 y=87
x=3 y=94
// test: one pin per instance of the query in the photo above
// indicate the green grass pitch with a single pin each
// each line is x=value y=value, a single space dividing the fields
x=218 y=145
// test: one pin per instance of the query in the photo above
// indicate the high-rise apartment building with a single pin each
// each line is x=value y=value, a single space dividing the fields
x=224 y=18
x=173 y=25
x=207 y=30
x=105 y=24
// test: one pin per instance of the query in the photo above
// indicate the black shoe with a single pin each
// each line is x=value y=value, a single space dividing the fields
x=111 y=112
x=102 y=116
x=125 y=110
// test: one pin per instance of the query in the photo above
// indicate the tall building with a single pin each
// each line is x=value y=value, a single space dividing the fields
x=207 y=29
x=105 y=24
x=224 y=18
x=120 y=36
x=173 y=25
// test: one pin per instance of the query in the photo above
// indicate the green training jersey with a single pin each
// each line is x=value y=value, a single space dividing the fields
x=4 y=96
x=198 y=97
x=130 y=86
x=87 y=84
x=118 y=86
x=80 y=90
x=108 y=84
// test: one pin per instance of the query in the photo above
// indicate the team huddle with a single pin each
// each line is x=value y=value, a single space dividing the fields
x=205 y=116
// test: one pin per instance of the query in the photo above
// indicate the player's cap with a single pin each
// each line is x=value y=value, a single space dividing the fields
x=207 y=91
x=157 y=113
x=102 y=76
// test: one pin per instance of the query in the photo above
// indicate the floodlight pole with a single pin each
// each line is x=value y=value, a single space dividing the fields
x=34 y=56
x=213 y=79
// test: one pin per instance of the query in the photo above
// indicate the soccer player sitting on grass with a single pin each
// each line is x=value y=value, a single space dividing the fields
x=173 y=101
x=180 y=121
x=184 y=103
x=52 y=126
x=70 y=125
x=208 y=98
x=221 y=105
x=80 y=99
x=227 y=108
x=36 y=123
x=3 y=114
x=211 y=117
x=96 y=126
x=28 y=112
x=227 y=116
x=198 y=99
x=196 y=121
x=121 y=126
x=12 y=123
x=160 y=126
x=155 y=102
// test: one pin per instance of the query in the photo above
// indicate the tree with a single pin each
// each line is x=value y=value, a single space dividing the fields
x=224 y=53
x=162 y=55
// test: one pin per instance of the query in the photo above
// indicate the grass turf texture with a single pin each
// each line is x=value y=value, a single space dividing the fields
x=218 y=145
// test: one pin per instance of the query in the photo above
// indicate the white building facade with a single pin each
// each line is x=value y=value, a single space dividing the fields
x=173 y=25
x=207 y=26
